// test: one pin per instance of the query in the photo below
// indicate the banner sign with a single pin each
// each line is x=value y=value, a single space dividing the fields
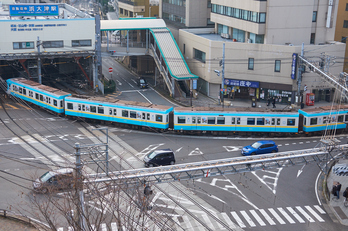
x=294 y=66
x=34 y=10
x=241 y=83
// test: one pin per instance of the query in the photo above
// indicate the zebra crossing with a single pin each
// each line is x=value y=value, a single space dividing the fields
x=238 y=220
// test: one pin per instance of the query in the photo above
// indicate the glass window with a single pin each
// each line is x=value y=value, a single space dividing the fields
x=262 y=17
x=260 y=121
x=181 y=119
x=199 y=55
x=238 y=120
x=36 y=96
x=278 y=121
x=124 y=113
x=23 y=45
x=251 y=64
x=159 y=118
x=42 y=98
x=148 y=116
x=83 y=107
x=233 y=120
x=194 y=120
x=55 y=102
x=81 y=43
x=115 y=112
x=344 y=39
x=340 y=118
x=61 y=103
x=101 y=110
x=314 y=17
x=221 y=120
x=314 y=121
x=238 y=35
x=52 y=44
x=132 y=114
x=110 y=111
x=312 y=41
x=291 y=122
x=346 y=118
x=93 y=109
x=277 y=66
x=250 y=121
x=20 y=90
x=211 y=120
x=346 y=6
x=345 y=24
x=70 y=106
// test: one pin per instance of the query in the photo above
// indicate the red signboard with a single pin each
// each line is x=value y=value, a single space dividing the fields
x=110 y=69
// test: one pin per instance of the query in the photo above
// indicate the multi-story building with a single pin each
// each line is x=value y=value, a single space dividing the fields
x=342 y=28
x=260 y=39
x=138 y=8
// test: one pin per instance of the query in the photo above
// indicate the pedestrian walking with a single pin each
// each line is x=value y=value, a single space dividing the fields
x=345 y=194
x=334 y=189
x=273 y=102
x=338 y=185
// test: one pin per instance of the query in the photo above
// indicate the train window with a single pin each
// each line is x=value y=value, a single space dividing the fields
x=291 y=122
x=115 y=112
x=233 y=121
x=42 y=98
x=79 y=107
x=314 y=121
x=93 y=109
x=20 y=90
x=193 y=119
x=159 y=118
x=148 y=116
x=278 y=121
x=181 y=119
x=167 y=118
x=110 y=111
x=250 y=121
x=47 y=99
x=30 y=93
x=124 y=113
x=305 y=121
x=221 y=120
x=55 y=102
x=346 y=118
x=325 y=120
x=211 y=120
x=273 y=121
x=340 y=118
x=143 y=116
x=37 y=96
x=198 y=120
x=101 y=110
x=238 y=120
x=83 y=107
x=70 y=106
x=133 y=114
x=24 y=91
x=260 y=121
x=61 y=103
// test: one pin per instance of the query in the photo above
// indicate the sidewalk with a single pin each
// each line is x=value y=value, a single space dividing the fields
x=10 y=221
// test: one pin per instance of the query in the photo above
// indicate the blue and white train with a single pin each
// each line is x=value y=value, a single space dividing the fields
x=217 y=121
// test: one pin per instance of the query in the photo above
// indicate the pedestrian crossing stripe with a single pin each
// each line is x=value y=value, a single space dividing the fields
x=242 y=219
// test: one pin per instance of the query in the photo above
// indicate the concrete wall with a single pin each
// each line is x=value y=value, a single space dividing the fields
x=47 y=30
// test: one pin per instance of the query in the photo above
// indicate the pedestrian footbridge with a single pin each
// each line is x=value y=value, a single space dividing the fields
x=149 y=36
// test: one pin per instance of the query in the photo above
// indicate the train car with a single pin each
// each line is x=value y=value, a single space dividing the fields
x=118 y=111
x=38 y=94
x=324 y=118
x=235 y=120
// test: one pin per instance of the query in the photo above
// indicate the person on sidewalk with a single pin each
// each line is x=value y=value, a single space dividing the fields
x=273 y=102
x=345 y=194
x=338 y=185
x=334 y=189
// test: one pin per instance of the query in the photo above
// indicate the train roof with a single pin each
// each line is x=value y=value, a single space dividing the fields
x=324 y=110
x=39 y=86
x=233 y=109
x=121 y=102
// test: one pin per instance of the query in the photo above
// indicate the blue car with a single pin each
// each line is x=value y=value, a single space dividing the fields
x=260 y=147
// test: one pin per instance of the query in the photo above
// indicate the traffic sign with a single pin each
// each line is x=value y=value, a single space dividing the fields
x=110 y=69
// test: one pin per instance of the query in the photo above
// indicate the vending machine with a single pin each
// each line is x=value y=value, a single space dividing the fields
x=310 y=99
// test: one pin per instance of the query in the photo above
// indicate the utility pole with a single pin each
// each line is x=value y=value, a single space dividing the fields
x=299 y=78
x=79 y=196
x=223 y=74
x=38 y=60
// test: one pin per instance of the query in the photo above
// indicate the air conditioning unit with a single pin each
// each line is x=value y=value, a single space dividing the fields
x=225 y=35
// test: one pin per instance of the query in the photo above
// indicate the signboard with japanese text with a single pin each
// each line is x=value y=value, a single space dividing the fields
x=241 y=83
x=294 y=66
x=34 y=10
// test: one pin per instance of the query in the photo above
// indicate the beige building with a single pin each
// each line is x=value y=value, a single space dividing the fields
x=342 y=29
x=260 y=39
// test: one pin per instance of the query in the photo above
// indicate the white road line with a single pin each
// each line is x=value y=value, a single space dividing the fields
x=287 y=144
x=207 y=220
x=309 y=218
x=282 y=211
x=275 y=214
x=300 y=142
x=257 y=217
x=268 y=218
x=295 y=215
x=113 y=226
x=187 y=222
x=316 y=215
x=314 y=141
x=320 y=210
x=307 y=142
x=237 y=218
x=247 y=218
x=228 y=220
x=144 y=97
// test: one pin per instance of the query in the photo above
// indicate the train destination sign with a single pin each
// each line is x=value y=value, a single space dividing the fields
x=34 y=10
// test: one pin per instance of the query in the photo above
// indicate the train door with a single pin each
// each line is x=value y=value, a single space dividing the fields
x=300 y=123
x=196 y=123
x=146 y=119
x=275 y=123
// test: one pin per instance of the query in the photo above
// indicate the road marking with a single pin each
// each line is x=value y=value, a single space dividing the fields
x=280 y=220
x=268 y=218
x=196 y=152
x=237 y=218
x=300 y=142
x=310 y=219
x=319 y=209
x=282 y=211
x=316 y=215
x=187 y=222
x=247 y=218
x=228 y=220
x=257 y=217
x=207 y=220
x=295 y=215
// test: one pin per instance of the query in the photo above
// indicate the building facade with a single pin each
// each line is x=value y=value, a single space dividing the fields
x=260 y=39
x=342 y=29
